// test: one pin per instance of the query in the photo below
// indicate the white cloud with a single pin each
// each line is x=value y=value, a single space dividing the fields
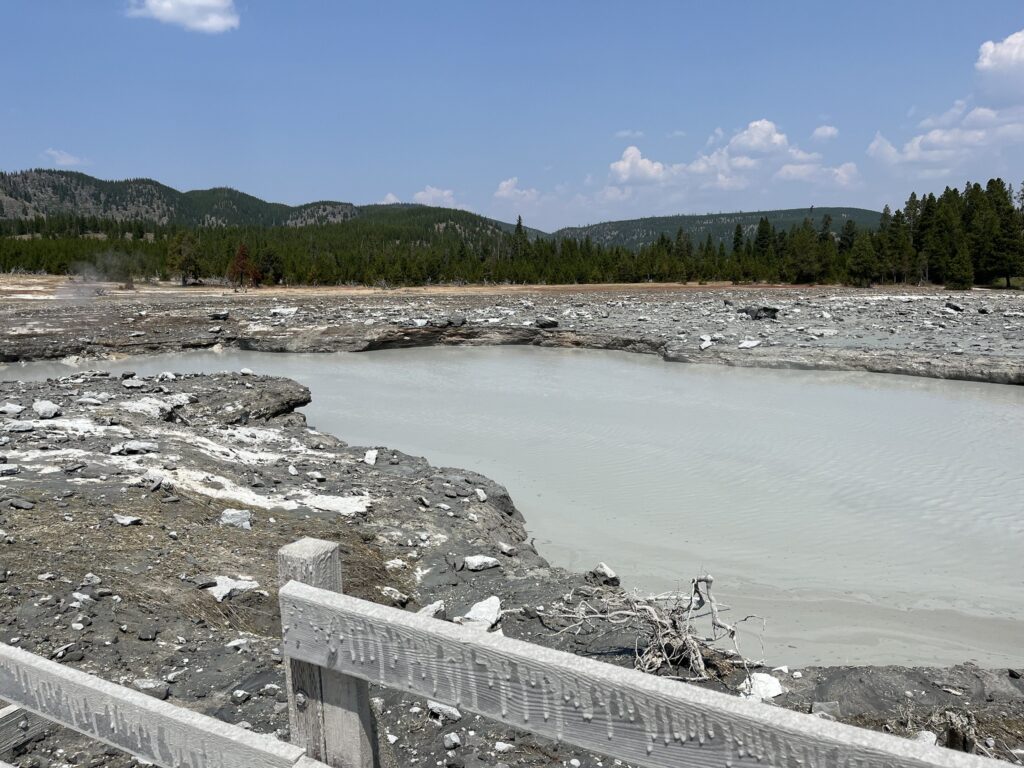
x=440 y=198
x=1004 y=56
x=509 y=190
x=390 y=198
x=760 y=136
x=676 y=134
x=959 y=138
x=629 y=133
x=634 y=168
x=825 y=132
x=882 y=149
x=802 y=157
x=210 y=16
x=715 y=137
x=62 y=158
x=816 y=173
x=949 y=117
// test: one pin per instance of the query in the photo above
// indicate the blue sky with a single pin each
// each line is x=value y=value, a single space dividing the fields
x=566 y=112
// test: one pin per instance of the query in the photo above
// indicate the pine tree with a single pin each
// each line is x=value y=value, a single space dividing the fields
x=960 y=272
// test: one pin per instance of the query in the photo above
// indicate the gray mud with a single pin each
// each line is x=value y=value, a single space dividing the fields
x=114 y=552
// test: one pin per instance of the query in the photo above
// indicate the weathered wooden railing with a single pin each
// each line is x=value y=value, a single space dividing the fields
x=334 y=645
x=638 y=718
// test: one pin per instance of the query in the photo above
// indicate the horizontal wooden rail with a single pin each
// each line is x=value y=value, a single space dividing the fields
x=18 y=726
x=618 y=712
x=152 y=730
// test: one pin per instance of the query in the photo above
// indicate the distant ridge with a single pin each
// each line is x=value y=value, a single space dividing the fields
x=43 y=192
x=633 y=233
x=28 y=194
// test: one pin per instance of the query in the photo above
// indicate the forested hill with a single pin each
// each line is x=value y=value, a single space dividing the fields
x=28 y=194
x=633 y=233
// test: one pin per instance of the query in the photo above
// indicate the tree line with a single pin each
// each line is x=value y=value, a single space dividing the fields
x=959 y=238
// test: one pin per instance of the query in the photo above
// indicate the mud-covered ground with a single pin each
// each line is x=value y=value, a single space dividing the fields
x=140 y=517
x=977 y=335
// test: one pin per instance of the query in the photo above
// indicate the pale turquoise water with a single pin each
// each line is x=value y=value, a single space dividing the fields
x=869 y=518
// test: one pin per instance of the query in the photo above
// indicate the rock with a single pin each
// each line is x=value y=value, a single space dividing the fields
x=954 y=306
x=220 y=315
x=9 y=470
x=435 y=610
x=127 y=520
x=11 y=409
x=133 y=383
x=603 y=576
x=443 y=711
x=46 y=409
x=19 y=503
x=452 y=740
x=1015 y=674
x=749 y=344
x=227 y=587
x=546 y=322
x=830 y=708
x=148 y=634
x=761 y=685
x=158 y=689
x=283 y=311
x=239 y=696
x=926 y=737
x=706 y=344
x=480 y=562
x=480 y=495
x=133 y=447
x=503 y=748
x=237 y=518
x=483 y=615
x=370 y=457
x=760 y=313
x=398 y=598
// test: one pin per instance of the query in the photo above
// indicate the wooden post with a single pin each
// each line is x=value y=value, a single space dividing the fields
x=329 y=711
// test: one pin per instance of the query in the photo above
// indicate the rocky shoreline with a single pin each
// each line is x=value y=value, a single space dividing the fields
x=974 y=336
x=140 y=516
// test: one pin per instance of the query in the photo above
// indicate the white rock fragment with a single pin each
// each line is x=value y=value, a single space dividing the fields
x=480 y=562
x=370 y=458
x=706 y=344
x=46 y=409
x=11 y=409
x=9 y=470
x=502 y=747
x=237 y=518
x=283 y=311
x=436 y=608
x=133 y=383
x=761 y=685
x=443 y=711
x=749 y=344
x=483 y=615
x=127 y=520
x=226 y=586
x=480 y=495
x=452 y=740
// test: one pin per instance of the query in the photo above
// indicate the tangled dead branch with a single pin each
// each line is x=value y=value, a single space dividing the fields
x=668 y=642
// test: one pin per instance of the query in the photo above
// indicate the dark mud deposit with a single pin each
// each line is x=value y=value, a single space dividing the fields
x=113 y=495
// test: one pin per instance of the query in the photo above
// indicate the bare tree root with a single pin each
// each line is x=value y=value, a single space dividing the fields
x=668 y=642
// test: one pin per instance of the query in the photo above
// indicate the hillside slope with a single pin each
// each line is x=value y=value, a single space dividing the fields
x=633 y=233
x=28 y=194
